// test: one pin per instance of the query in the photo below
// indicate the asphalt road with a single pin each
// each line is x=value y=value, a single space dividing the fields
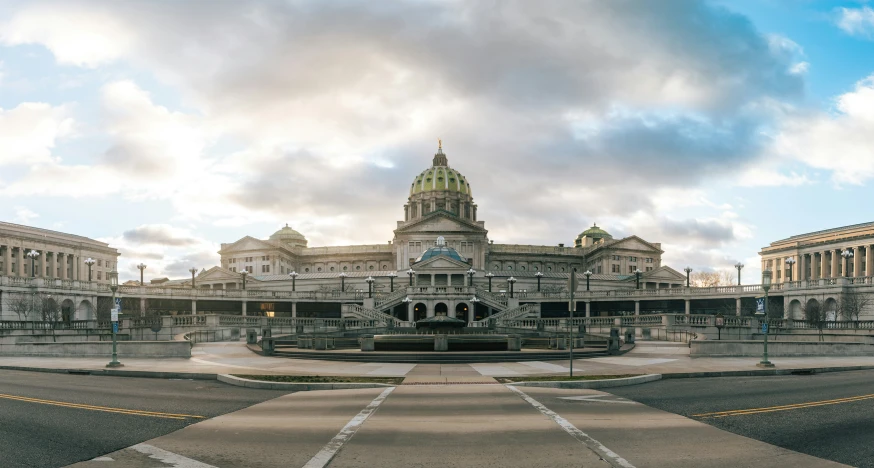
x=842 y=432
x=49 y=420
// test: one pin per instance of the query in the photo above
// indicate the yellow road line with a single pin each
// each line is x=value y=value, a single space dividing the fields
x=770 y=409
x=101 y=408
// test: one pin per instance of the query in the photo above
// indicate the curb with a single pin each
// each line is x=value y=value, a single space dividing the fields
x=592 y=384
x=295 y=387
x=116 y=373
x=764 y=372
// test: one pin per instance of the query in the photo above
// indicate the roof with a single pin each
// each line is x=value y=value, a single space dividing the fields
x=596 y=233
x=48 y=232
x=440 y=177
x=826 y=231
x=438 y=252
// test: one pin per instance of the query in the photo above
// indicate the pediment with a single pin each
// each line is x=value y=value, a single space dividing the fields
x=664 y=273
x=247 y=243
x=440 y=222
x=218 y=274
x=634 y=243
x=441 y=263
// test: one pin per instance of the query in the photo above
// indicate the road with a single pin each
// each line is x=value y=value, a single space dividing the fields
x=39 y=432
x=831 y=415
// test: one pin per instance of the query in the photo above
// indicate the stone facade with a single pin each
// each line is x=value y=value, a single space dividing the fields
x=61 y=256
x=831 y=253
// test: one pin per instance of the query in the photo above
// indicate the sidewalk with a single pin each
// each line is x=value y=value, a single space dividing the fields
x=235 y=358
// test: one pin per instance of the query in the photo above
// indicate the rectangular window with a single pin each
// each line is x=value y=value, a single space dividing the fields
x=250 y=269
x=615 y=268
x=99 y=262
x=599 y=269
x=99 y=275
x=648 y=268
x=265 y=268
x=631 y=268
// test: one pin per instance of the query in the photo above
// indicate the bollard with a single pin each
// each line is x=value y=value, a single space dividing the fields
x=613 y=342
x=367 y=343
x=320 y=343
x=441 y=343
x=266 y=333
x=267 y=346
x=251 y=336
x=514 y=343
x=629 y=336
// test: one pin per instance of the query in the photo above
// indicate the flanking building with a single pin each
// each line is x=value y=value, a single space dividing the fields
x=831 y=253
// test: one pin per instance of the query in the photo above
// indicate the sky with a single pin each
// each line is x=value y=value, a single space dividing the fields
x=167 y=128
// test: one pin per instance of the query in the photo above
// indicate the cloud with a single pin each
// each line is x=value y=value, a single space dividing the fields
x=857 y=21
x=24 y=215
x=159 y=234
x=180 y=266
x=29 y=131
x=840 y=142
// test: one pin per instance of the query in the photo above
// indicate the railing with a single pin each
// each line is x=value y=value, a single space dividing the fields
x=388 y=300
x=498 y=301
x=368 y=314
x=512 y=314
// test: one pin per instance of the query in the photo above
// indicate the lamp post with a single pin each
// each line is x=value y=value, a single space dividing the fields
x=766 y=285
x=791 y=262
x=489 y=275
x=637 y=273
x=391 y=281
x=847 y=254
x=244 y=273
x=293 y=275
x=90 y=262
x=113 y=286
x=511 y=281
x=470 y=273
x=687 y=270
x=411 y=273
x=587 y=273
x=538 y=275
x=193 y=271
x=473 y=301
x=141 y=267
x=32 y=255
x=407 y=301
x=739 y=267
x=343 y=276
x=369 y=281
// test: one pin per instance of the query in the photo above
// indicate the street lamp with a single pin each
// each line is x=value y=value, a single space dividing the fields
x=470 y=273
x=739 y=267
x=369 y=281
x=687 y=270
x=407 y=301
x=766 y=285
x=293 y=275
x=113 y=286
x=191 y=270
x=343 y=276
x=489 y=275
x=791 y=262
x=244 y=273
x=391 y=281
x=89 y=261
x=511 y=281
x=637 y=273
x=538 y=275
x=473 y=301
x=847 y=254
x=411 y=273
x=142 y=267
x=587 y=273
x=32 y=255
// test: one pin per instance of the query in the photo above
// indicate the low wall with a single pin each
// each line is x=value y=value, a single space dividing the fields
x=126 y=349
x=738 y=348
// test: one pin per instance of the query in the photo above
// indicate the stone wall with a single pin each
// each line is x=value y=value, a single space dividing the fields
x=744 y=348
x=126 y=349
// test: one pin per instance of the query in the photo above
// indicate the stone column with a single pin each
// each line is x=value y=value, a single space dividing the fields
x=294 y=309
x=7 y=261
x=62 y=259
x=688 y=306
x=835 y=258
x=244 y=309
x=194 y=307
x=636 y=307
x=142 y=307
x=42 y=264
x=813 y=274
x=823 y=261
x=737 y=307
x=857 y=262
x=21 y=261
x=869 y=260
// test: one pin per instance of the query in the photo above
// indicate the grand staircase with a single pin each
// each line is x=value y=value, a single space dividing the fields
x=495 y=301
x=358 y=312
x=390 y=300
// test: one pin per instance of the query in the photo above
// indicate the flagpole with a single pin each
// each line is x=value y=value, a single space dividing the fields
x=572 y=286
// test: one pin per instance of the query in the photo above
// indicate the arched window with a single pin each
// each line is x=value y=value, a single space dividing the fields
x=332 y=268
x=320 y=268
x=509 y=267
x=357 y=267
x=344 y=268
x=370 y=267
x=306 y=270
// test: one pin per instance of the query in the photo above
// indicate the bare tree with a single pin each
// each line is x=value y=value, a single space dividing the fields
x=707 y=279
x=22 y=304
x=49 y=309
x=853 y=303
x=815 y=315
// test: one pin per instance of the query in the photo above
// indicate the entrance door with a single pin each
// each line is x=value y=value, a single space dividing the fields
x=420 y=311
x=462 y=313
x=441 y=309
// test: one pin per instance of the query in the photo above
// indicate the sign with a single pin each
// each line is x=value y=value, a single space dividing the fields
x=114 y=315
x=760 y=305
x=118 y=303
x=114 y=327
x=765 y=328
x=720 y=321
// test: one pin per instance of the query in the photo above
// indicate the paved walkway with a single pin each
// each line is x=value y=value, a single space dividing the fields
x=235 y=358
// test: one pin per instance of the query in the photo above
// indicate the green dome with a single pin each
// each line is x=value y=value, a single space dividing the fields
x=440 y=177
x=595 y=233
x=288 y=235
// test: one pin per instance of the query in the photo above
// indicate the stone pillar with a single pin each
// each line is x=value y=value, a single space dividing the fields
x=7 y=261
x=802 y=267
x=823 y=264
x=737 y=307
x=869 y=260
x=688 y=306
x=433 y=279
x=142 y=307
x=63 y=262
x=836 y=256
x=636 y=307
x=813 y=274
x=194 y=307
x=244 y=308
x=294 y=309
x=588 y=308
x=21 y=261
x=857 y=262
x=42 y=264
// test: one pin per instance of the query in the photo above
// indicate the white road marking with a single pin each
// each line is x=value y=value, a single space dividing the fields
x=219 y=364
x=546 y=366
x=329 y=451
x=170 y=458
x=103 y=459
x=393 y=370
x=592 y=398
x=606 y=454
x=491 y=370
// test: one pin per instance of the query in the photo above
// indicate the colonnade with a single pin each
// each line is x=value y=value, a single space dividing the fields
x=825 y=264
x=55 y=265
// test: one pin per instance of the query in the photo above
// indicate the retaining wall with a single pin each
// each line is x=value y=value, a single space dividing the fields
x=126 y=349
x=742 y=348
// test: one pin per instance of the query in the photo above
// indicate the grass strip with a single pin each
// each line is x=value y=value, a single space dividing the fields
x=562 y=378
x=321 y=379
